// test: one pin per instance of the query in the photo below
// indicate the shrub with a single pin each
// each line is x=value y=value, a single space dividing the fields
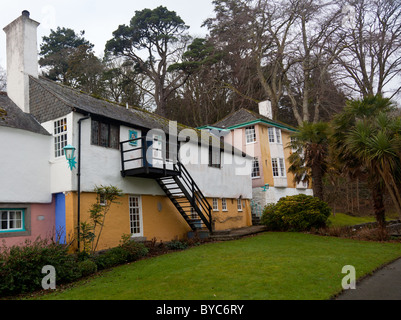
x=296 y=213
x=87 y=267
x=128 y=251
x=21 y=266
x=177 y=245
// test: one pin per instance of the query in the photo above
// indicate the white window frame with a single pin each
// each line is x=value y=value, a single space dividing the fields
x=278 y=167
x=137 y=223
x=250 y=134
x=8 y=220
x=275 y=135
x=255 y=161
x=215 y=204
x=239 y=204
x=272 y=138
x=60 y=134
x=278 y=136
x=224 y=204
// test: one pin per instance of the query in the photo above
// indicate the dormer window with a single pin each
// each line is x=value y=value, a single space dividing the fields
x=60 y=137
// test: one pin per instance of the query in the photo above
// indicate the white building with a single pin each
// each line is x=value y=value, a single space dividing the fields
x=129 y=148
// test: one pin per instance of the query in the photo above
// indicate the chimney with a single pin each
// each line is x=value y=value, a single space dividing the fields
x=22 y=58
x=265 y=109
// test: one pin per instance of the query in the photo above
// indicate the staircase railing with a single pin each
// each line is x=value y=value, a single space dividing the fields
x=196 y=197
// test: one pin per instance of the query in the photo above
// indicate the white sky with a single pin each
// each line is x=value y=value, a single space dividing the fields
x=99 y=18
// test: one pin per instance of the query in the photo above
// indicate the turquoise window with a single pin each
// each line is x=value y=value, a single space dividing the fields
x=12 y=220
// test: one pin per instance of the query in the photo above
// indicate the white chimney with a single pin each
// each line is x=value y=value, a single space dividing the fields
x=22 y=58
x=265 y=109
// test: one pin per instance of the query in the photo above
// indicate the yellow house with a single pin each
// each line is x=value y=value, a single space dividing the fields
x=266 y=141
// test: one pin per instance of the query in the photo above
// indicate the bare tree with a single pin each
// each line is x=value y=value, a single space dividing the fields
x=313 y=54
x=372 y=56
x=3 y=79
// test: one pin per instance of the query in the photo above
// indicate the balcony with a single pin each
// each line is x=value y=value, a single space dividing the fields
x=145 y=159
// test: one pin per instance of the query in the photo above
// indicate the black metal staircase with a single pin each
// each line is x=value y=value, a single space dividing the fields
x=186 y=196
x=176 y=182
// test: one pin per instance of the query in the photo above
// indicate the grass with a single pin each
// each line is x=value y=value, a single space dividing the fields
x=342 y=219
x=270 y=266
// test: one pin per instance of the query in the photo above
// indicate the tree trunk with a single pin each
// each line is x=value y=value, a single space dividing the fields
x=317 y=182
x=378 y=204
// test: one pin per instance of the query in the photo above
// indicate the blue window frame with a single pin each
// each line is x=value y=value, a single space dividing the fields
x=12 y=220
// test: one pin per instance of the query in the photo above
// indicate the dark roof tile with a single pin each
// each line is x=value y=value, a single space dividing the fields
x=12 y=116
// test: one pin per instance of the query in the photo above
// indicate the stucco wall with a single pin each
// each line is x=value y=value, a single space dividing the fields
x=24 y=169
x=102 y=166
x=160 y=219
x=39 y=223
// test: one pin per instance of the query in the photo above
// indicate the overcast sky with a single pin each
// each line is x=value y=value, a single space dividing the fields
x=99 y=18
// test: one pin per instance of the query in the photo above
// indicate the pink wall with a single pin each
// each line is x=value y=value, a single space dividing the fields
x=237 y=138
x=42 y=224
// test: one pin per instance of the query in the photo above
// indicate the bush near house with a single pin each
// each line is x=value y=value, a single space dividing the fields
x=21 y=266
x=296 y=213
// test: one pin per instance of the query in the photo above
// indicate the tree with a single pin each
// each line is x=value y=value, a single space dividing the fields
x=85 y=71
x=3 y=79
x=371 y=60
x=204 y=98
x=289 y=47
x=376 y=143
x=351 y=129
x=56 y=50
x=105 y=197
x=310 y=159
x=161 y=35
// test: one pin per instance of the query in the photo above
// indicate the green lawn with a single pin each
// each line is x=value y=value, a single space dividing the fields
x=269 y=266
x=342 y=219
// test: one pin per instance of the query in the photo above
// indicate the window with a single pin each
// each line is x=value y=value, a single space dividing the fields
x=239 y=204
x=282 y=166
x=278 y=167
x=60 y=137
x=255 y=168
x=224 y=204
x=274 y=135
x=102 y=200
x=135 y=215
x=215 y=204
x=214 y=157
x=105 y=134
x=271 y=135
x=250 y=134
x=11 y=220
x=278 y=135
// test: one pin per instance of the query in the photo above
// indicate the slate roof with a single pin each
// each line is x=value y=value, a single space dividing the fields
x=244 y=116
x=13 y=117
x=50 y=100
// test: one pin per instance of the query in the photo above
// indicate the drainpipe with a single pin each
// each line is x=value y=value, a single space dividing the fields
x=79 y=178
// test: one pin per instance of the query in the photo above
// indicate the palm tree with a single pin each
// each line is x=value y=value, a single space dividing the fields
x=310 y=157
x=377 y=144
x=365 y=148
